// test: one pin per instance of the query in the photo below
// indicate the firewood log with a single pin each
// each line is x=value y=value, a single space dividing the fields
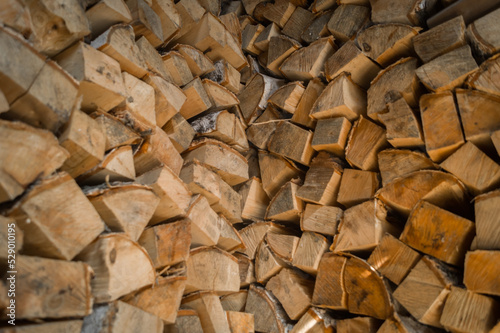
x=318 y=27
x=347 y=20
x=484 y=78
x=296 y=24
x=153 y=59
x=197 y=99
x=107 y=13
x=179 y=131
x=232 y=24
x=208 y=306
x=48 y=327
x=190 y=12
x=412 y=12
x=486 y=218
x=254 y=200
x=358 y=324
x=198 y=63
x=177 y=67
x=311 y=248
x=15 y=15
x=205 y=223
x=229 y=239
x=268 y=313
x=285 y=206
x=321 y=219
x=116 y=133
x=225 y=75
x=170 y=19
x=315 y=320
x=276 y=171
x=405 y=324
x=221 y=98
x=254 y=233
x=169 y=99
x=331 y=135
x=145 y=21
x=240 y=322
x=267 y=264
x=249 y=36
x=235 y=301
x=394 y=163
x=186 y=321
x=481 y=35
x=301 y=152
x=287 y=97
x=301 y=115
x=280 y=48
x=356 y=187
x=480 y=273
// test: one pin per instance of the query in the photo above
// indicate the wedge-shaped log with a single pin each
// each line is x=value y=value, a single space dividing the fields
x=366 y=140
x=66 y=286
x=279 y=12
x=481 y=272
x=231 y=166
x=318 y=27
x=484 y=79
x=254 y=200
x=140 y=99
x=198 y=63
x=229 y=239
x=119 y=43
x=296 y=303
x=399 y=77
x=301 y=151
x=99 y=75
x=424 y=291
x=268 y=313
x=267 y=264
x=261 y=43
x=205 y=223
x=107 y=256
x=145 y=21
x=321 y=219
x=221 y=98
x=190 y=13
x=162 y=300
x=276 y=171
x=56 y=26
x=436 y=187
x=285 y=206
x=169 y=99
x=347 y=20
x=487 y=219
x=157 y=150
x=232 y=24
x=249 y=36
x=341 y=98
x=314 y=319
x=126 y=208
x=16 y=15
x=357 y=186
x=83 y=138
x=280 y=48
x=48 y=215
x=240 y=322
x=447 y=71
x=177 y=68
x=226 y=75
x=297 y=23
x=209 y=268
x=331 y=135
x=482 y=36
x=253 y=235
x=117 y=165
x=212 y=317
x=26 y=153
x=308 y=62
x=197 y=99
x=122 y=317
x=412 y=12
x=393 y=259
x=282 y=246
x=394 y=163
x=153 y=59
x=466 y=311
x=427 y=228
x=107 y=13
x=116 y=133
x=186 y=321
x=481 y=174
x=405 y=324
x=301 y=114
x=179 y=131
x=325 y=167
x=308 y=255
x=260 y=133
x=247 y=277
x=350 y=59
x=287 y=97
x=387 y=43
x=346 y=282
x=235 y=301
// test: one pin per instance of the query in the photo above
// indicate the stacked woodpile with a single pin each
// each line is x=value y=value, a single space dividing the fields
x=250 y=166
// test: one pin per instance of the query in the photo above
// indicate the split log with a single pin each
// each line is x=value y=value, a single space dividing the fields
x=280 y=48
x=283 y=246
x=321 y=219
x=140 y=102
x=190 y=12
x=83 y=138
x=404 y=324
x=167 y=244
x=105 y=14
x=66 y=287
x=484 y=78
x=482 y=36
x=197 y=99
x=261 y=43
x=298 y=302
x=247 y=277
x=366 y=140
x=169 y=18
x=465 y=311
x=180 y=132
x=145 y=21
x=424 y=291
x=322 y=182
x=162 y=299
x=229 y=239
x=268 y=313
x=350 y=59
x=153 y=59
x=249 y=36
x=399 y=77
x=231 y=166
x=16 y=15
x=441 y=125
x=235 y=301
x=116 y=166
x=279 y=12
x=209 y=268
x=116 y=133
x=394 y=163
x=177 y=67
x=205 y=223
x=438 y=225
x=301 y=151
x=267 y=264
x=26 y=153
x=232 y=24
x=341 y=98
x=393 y=259
x=481 y=174
x=99 y=77
x=481 y=273
x=240 y=322
x=358 y=324
x=315 y=320
x=186 y=321
x=226 y=75
x=125 y=208
x=412 y=12
x=308 y=255
x=487 y=221
x=308 y=62
x=254 y=200
x=119 y=319
x=107 y=256
x=56 y=26
x=440 y=39
x=118 y=42
x=253 y=235
x=285 y=206
x=211 y=314
x=276 y=171
x=287 y=97
x=48 y=215
x=301 y=115
x=357 y=186
x=174 y=195
x=347 y=20
x=331 y=135
x=7 y=226
x=198 y=63
x=297 y=23
x=318 y=27
x=220 y=97
x=387 y=43
x=447 y=71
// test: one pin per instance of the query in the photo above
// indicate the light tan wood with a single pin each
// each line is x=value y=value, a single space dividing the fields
x=321 y=219
x=387 y=43
x=9 y=234
x=48 y=214
x=254 y=233
x=186 y=321
x=487 y=219
x=249 y=36
x=495 y=138
x=225 y=75
x=481 y=273
x=327 y=168
x=366 y=140
x=315 y=320
x=116 y=133
x=404 y=324
x=190 y=12
x=279 y=12
x=221 y=98
x=297 y=23
x=398 y=77
x=301 y=115
x=412 y=12
x=105 y=14
x=26 y=153
x=167 y=244
x=347 y=20
x=205 y=223
x=469 y=312
x=393 y=259
x=180 y=132
x=177 y=67
x=140 y=100
x=350 y=59
x=247 y=277
x=117 y=165
x=271 y=113
x=357 y=186
x=474 y=168
x=16 y=15
x=447 y=71
x=457 y=231
x=311 y=248
x=240 y=322
x=481 y=35
x=268 y=313
x=118 y=42
x=318 y=27
x=287 y=97
x=276 y=171
x=170 y=18
x=394 y=163
x=56 y=26
x=229 y=239
x=250 y=5
x=280 y=47
x=68 y=282
x=358 y=324
x=145 y=21
x=47 y=327
x=285 y=206
x=198 y=63
x=99 y=76
x=254 y=200
x=122 y=215
x=326 y=294
x=267 y=264
x=197 y=100
x=162 y=299
x=441 y=125
x=208 y=306
x=209 y=268
x=282 y=246
x=157 y=150
x=484 y=78
x=235 y=301
x=301 y=152
x=107 y=256
x=308 y=62
x=232 y=24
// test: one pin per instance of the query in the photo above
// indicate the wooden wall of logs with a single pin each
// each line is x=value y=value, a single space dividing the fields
x=250 y=166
